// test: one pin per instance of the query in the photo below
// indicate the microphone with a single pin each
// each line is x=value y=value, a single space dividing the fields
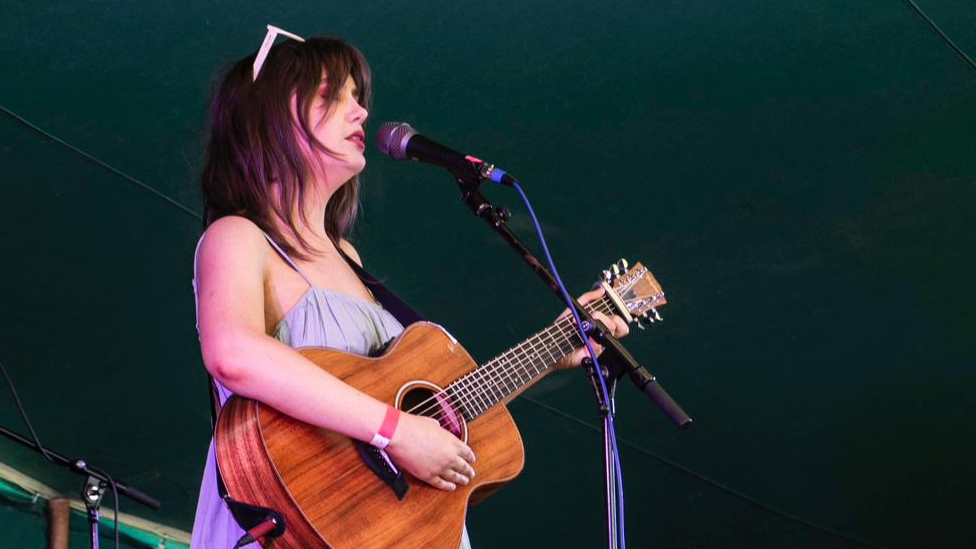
x=400 y=141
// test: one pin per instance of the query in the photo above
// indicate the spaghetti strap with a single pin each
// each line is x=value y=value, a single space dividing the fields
x=286 y=258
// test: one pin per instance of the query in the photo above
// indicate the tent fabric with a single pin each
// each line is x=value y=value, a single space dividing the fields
x=798 y=175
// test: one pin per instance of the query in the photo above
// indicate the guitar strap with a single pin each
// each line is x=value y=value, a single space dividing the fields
x=250 y=516
x=396 y=306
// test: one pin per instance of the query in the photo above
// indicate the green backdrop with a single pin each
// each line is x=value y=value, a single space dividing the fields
x=799 y=176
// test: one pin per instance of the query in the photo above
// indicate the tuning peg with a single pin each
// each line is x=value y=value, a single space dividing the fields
x=623 y=264
x=657 y=315
x=647 y=316
x=606 y=275
x=616 y=270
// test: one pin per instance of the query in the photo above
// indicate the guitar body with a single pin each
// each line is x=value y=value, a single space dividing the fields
x=316 y=478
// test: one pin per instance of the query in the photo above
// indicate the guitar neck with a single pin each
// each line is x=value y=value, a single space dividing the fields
x=520 y=366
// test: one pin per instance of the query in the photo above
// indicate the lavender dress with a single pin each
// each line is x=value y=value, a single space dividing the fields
x=321 y=318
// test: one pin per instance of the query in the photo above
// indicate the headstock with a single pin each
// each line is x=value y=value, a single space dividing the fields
x=634 y=292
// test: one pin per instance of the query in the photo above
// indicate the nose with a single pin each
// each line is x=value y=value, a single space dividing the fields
x=358 y=113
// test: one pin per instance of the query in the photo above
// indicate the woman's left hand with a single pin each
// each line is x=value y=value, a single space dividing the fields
x=617 y=326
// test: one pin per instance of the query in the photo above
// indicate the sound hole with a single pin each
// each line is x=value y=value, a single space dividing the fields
x=429 y=401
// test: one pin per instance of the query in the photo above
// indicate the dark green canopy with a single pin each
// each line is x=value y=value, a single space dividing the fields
x=799 y=176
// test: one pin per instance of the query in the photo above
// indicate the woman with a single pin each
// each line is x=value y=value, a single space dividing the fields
x=280 y=192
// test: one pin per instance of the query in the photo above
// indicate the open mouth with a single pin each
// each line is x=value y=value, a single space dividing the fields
x=359 y=138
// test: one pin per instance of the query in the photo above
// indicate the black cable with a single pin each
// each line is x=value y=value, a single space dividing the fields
x=37 y=441
x=714 y=483
x=962 y=55
x=23 y=414
x=101 y=163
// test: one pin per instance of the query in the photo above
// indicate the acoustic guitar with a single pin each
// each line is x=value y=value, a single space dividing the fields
x=336 y=493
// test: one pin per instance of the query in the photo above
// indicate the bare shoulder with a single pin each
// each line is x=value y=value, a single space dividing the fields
x=232 y=240
x=348 y=248
x=230 y=279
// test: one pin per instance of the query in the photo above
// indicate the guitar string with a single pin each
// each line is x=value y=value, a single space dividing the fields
x=465 y=390
x=466 y=387
x=474 y=400
x=525 y=355
x=507 y=373
x=514 y=360
x=484 y=398
x=564 y=333
x=520 y=358
x=530 y=354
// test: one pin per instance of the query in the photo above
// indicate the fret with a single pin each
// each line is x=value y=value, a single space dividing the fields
x=501 y=380
x=474 y=395
x=458 y=388
x=515 y=366
x=511 y=383
x=505 y=374
x=477 y=387
x=517 y=356
x=488 y=381
x=499 y=383
x=511 y=364
x=548 y=348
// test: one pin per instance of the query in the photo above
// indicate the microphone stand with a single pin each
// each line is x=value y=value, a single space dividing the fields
x=95 y=483
x=615 y=358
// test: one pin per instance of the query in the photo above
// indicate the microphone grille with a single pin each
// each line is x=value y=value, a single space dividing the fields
x=392 y=137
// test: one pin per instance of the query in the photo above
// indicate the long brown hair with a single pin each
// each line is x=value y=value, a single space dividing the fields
x=254 y=142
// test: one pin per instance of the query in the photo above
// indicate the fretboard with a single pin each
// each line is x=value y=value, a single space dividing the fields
x=500 y=377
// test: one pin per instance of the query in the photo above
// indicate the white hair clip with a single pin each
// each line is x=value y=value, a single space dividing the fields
x=269 y=39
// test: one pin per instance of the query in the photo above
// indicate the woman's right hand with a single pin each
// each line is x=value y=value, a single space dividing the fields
x=427 y=451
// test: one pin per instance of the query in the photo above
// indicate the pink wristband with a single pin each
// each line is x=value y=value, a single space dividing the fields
x=382 y=438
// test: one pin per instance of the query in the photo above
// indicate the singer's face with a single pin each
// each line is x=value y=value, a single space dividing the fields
x=340 y=129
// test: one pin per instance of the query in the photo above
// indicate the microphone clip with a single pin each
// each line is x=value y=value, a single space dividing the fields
x=489 y=172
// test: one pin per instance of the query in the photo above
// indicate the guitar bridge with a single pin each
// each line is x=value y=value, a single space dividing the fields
x=382 y=466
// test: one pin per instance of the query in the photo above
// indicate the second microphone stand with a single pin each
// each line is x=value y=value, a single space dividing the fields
x=96 y=481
